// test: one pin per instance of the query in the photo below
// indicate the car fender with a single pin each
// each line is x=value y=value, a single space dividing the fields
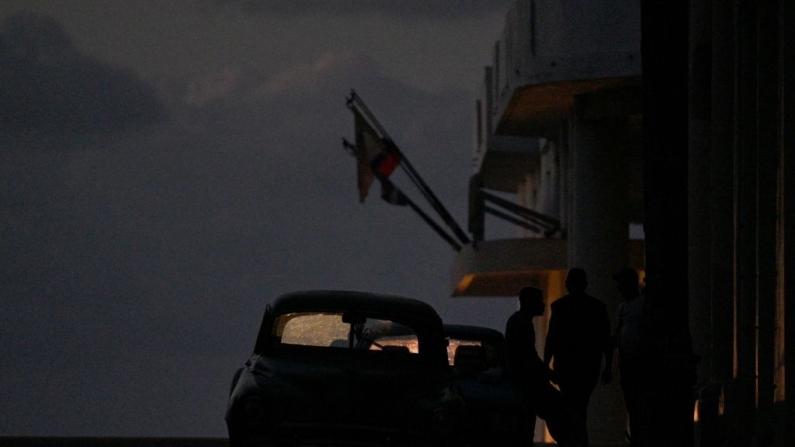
x=235 y=378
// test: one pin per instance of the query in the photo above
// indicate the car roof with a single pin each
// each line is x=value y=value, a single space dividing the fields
x=418 y=314
x=345 y=300
x=473 y=332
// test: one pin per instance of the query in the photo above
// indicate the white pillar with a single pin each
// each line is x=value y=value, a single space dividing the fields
x=598 y=236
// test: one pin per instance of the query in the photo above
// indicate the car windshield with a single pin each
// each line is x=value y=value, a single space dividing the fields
x=344 y=331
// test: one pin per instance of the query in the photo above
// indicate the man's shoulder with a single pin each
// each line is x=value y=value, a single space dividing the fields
x=560 y=302
x=516 y=318
x=596 y=302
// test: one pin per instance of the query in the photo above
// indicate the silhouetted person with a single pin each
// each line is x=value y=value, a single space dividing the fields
x=633 y=351
x=528 y=372
x=578 y=337
x=523 y=366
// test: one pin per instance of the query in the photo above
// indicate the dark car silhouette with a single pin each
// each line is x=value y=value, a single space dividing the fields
x=496 y=413
x=338 y=367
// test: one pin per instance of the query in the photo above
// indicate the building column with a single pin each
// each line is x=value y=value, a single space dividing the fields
x=699 y=188
x=598 y=235
x=721 y=204
x=711 y=210
x=767 y=188
x=664 y=49
x=788 y=212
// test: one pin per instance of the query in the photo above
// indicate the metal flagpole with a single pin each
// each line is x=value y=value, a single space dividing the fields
x=405 y=200
x=387 y=188
x=439 y=230
x=356 y=100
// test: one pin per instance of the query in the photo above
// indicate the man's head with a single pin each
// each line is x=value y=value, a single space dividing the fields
x=576 y=281
x=531 y=300
x=627 y=282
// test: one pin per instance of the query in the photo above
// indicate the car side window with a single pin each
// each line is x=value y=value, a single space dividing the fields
x=332 y=330
x=311 y=329
x=386 y=335
x=453 y=345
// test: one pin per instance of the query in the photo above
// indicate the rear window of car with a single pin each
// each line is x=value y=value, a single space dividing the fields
x=333 y=331
x=490 y=352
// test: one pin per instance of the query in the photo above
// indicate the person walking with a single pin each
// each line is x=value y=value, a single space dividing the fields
x=526 y=370
x=523 y=366
x=633 y=351
x=577 y=341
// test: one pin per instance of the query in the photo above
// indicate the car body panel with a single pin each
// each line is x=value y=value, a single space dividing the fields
x=350 y=367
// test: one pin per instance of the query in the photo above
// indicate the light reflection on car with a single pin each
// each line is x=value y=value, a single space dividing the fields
x=345 y=367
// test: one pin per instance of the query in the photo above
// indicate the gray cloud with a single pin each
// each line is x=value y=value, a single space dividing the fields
x=138 y=266
x=431 y=9
x=48 y=86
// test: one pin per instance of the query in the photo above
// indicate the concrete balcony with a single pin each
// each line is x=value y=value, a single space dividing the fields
x=503 y=266
x=503 y=161
x=550 y=52
x=561 y=101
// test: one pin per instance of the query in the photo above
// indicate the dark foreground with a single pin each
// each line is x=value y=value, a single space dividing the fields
x=32 y=441
x=120 y=442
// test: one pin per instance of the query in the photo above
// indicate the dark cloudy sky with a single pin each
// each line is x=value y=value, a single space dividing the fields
x=167 y=167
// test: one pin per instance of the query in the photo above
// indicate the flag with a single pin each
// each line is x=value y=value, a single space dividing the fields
x=387 y=160
x=376 y=156
x=391 y=194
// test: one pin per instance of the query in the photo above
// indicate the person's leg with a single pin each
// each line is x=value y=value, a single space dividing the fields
x=562 y=421
x=584 y=398
x=633 y=388
x=527 y=389
x=577 y=395
x=630 y=402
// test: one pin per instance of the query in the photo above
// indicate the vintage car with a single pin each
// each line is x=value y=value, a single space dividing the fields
x=341 y=368
x=496 y=412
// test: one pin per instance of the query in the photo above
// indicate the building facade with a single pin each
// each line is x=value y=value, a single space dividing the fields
x=626 y=133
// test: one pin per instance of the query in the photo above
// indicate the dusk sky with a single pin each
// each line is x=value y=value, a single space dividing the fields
x=168 y=167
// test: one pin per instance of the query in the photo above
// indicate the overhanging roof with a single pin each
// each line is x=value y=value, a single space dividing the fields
x=537 y=110
x=501 y=267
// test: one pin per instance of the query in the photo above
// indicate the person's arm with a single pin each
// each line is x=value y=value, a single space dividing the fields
x=550 y=346
x=510 y=341
x=607 y=374
x=609 y=349
x=551 y=340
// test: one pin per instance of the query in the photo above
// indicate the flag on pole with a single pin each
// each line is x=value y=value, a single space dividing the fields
x=391 y=194
x=376 y=156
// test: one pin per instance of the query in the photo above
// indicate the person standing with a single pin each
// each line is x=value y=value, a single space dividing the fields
x=577 y=340
x=523 y=366
x=633 y=352
x=526 y=370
